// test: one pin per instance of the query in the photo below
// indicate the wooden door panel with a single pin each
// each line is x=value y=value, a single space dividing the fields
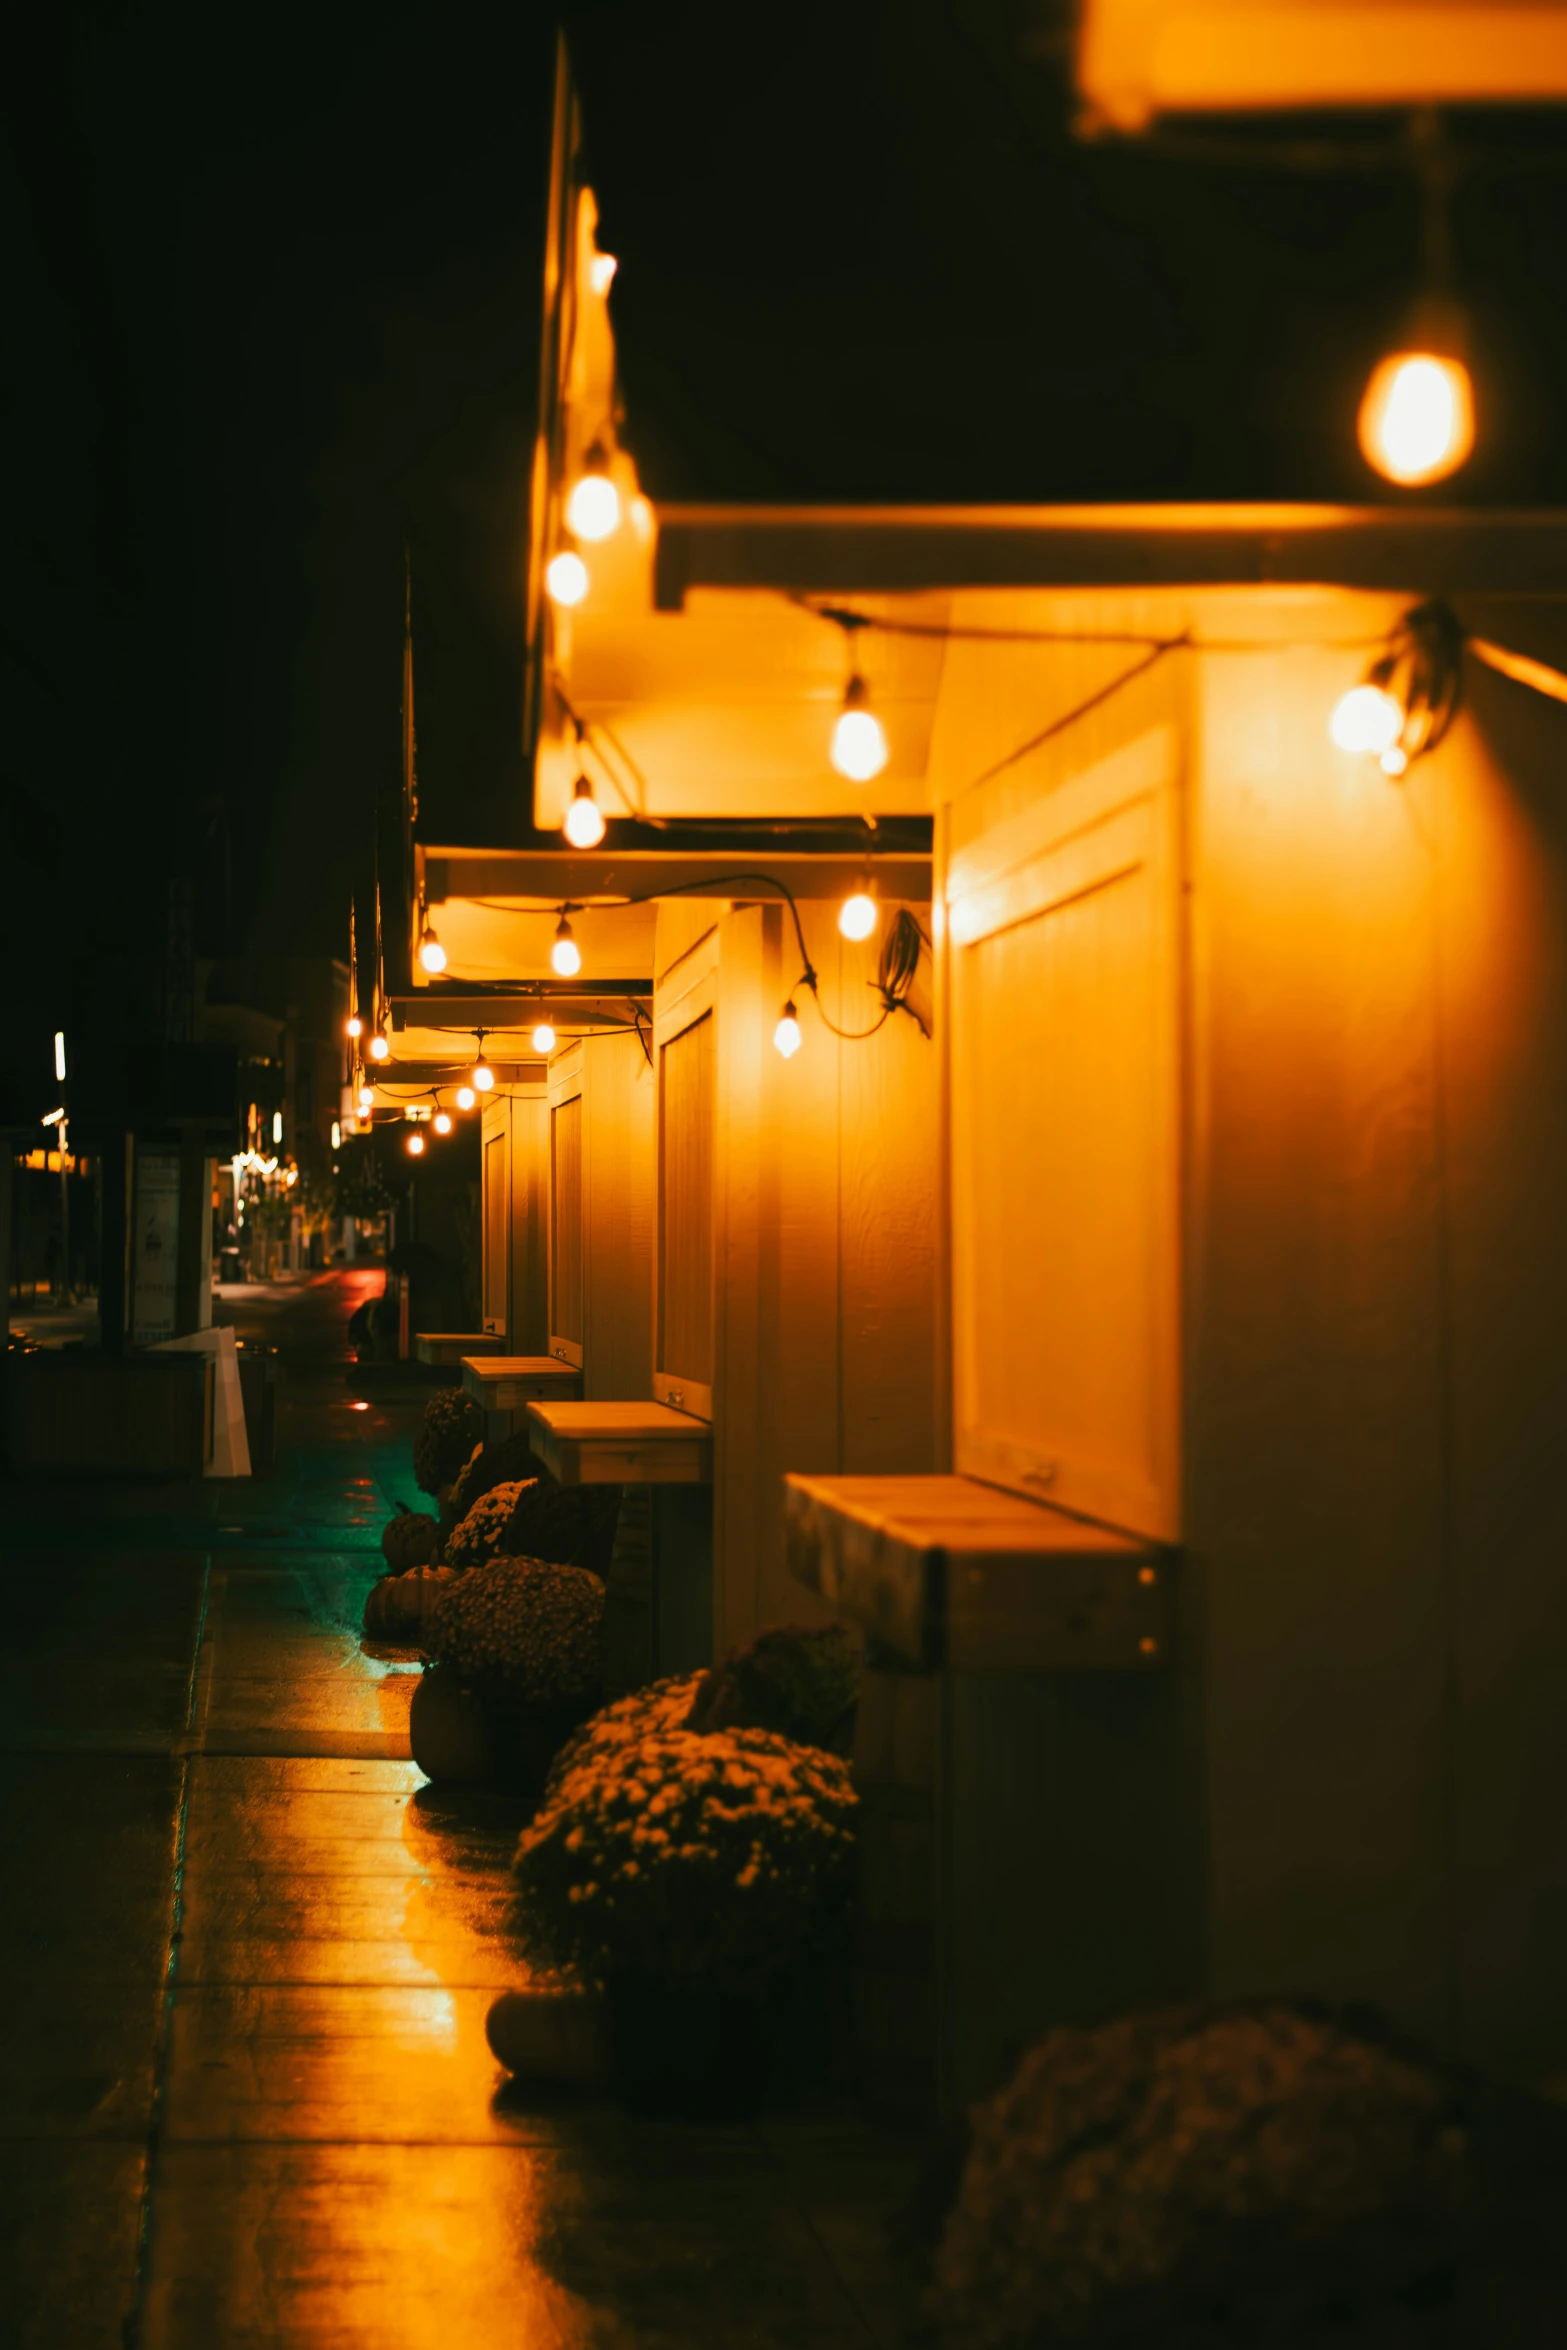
x=1066 y=1176
x=566 y=1315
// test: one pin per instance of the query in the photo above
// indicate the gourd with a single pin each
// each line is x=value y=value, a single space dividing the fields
x=410 y=1540
x=452 y=1730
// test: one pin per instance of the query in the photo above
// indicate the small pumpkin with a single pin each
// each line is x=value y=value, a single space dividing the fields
x=553 y=2031
x=399 y=1606
x=452 y=1731
x=410 y=1540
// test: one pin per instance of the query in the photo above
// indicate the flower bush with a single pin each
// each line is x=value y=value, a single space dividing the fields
x=718 y=1861
x=802 y=1680
x=572 y=1523
x=663 y=1705
x=452 y=1425
x=528 y=1626
x=483 y=1531
x=1198 y=2177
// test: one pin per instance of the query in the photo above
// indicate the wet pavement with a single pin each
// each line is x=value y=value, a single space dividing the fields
x=245 y=2095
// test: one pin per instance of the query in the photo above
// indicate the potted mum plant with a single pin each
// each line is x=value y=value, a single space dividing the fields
x=517 y=1645
x=690 y=1877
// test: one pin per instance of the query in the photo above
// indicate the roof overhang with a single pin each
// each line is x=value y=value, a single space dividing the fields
x=549 y=877
x=867 y=550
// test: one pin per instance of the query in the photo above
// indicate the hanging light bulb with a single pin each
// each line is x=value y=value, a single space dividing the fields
x=366 y=1101
x=859 y=742
x=1417 y=420
x=544 y=1038
x=416 y=1145
x=431 y=952
x=566 y=577
x=354 y=1026
x=593 y=508
x=565 y=954
x=442 y=1121
x=786 y=1036
x=483 y=1074
x=466 y=1097
x=380 y=1049
x=857 y=915
x=1367 y=719
x=584 y=825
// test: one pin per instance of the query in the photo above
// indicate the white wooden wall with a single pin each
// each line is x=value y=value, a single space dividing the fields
x=824 y=1191
x=514 y=1141
x=601 y=1213
x=1367 y=1724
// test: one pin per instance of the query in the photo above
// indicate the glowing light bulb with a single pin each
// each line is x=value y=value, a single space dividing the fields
x=584 y=825
x=601 y=272
x=483 y=1075
x=857 y=915
x=466 y=1097
x=277 y=1125
x=355 y=1026
x=566 y=578
x=1394 y=760
x=859 y=742
x=1417 y=419
x=786 y=1036
x=544 y=1038
x=415 y=1145
x=593 y=508
x=366 y=1101
x=1367 y=718
x=337 y=1134
x=565 y=954
x=380 y=1050
x=431 y=952
x=442 y=1121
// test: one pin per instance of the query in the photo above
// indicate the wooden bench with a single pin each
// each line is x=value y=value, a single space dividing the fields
x=445 y=1349
x=621 y=1444
x=948 y=1572
x=507 y=1384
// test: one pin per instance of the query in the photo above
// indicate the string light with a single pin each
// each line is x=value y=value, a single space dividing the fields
x=366 y=1101
x=431 y=952
x=859 y=741
x=1407 y=699
x=786 y=1036
x=584 y=824
x=483 y=1076
x=544 y=1038
x=857 y=915
x=593 y=508
x=353 y=1025
x=565 y=954
x=1417 y=417
x=380 y=1049
x=416 y=1145
x=1367 y=719
x=466 y=1097
x=566 y=578
x=442 y=1121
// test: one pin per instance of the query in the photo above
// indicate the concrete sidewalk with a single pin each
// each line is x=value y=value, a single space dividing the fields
x=245 y=2096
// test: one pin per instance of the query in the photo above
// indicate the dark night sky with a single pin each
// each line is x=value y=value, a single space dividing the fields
x=273 y=292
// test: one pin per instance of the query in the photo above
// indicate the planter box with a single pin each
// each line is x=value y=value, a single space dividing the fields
x=90 y=1415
